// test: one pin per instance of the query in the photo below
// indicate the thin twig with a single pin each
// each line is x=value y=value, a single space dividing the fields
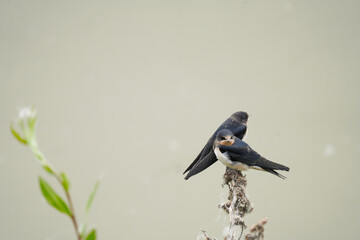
x=73 y=218
x=71 y=205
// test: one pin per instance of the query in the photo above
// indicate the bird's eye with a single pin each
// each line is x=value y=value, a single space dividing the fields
x=222 y=138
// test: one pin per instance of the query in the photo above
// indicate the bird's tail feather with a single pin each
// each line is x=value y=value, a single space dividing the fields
x=275 y=173
x=270 y=166
x=267 y=164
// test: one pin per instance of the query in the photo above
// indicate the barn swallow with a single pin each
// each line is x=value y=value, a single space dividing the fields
x=236 y=123
x=237 y=154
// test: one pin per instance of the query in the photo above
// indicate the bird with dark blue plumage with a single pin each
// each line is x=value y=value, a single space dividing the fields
x=237 y=154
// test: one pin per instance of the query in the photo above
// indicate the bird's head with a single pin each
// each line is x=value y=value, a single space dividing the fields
x=225 y=137
x=241 y=117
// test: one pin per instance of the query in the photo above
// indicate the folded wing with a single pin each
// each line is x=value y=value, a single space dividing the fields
x=242 y=152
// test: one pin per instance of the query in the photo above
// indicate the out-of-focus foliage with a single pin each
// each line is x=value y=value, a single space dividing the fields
x=25 y=123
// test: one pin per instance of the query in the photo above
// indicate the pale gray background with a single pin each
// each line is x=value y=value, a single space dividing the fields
x=131 y=90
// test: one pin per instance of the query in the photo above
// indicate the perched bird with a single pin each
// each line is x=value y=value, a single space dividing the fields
x=237 y=124
x=237 y=154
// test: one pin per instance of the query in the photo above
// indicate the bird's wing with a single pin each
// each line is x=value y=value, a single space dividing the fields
x=204 y=152
x=240 y=131
x=202 y=164
x=194 y=162
x=243 y=153
x=206 y=149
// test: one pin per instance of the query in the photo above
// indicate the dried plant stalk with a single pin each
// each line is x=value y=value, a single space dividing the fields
x=237 y=206
x=257 y=231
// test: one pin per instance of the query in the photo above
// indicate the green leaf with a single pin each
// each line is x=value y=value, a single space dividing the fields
x=91 y=235
x=65 y=181
x=52 y=198
x=17 y=135
x=92 y=195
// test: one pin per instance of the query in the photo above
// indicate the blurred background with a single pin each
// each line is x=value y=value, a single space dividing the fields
x=132 y=90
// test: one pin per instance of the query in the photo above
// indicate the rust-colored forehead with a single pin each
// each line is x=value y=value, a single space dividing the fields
x=227 y=143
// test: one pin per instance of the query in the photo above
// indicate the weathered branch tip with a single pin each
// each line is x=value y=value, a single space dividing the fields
x=237 y=206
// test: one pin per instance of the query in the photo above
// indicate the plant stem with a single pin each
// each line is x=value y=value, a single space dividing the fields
x=71 y=205
x=29 y=139
x=67 y=193
x=73 y=218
